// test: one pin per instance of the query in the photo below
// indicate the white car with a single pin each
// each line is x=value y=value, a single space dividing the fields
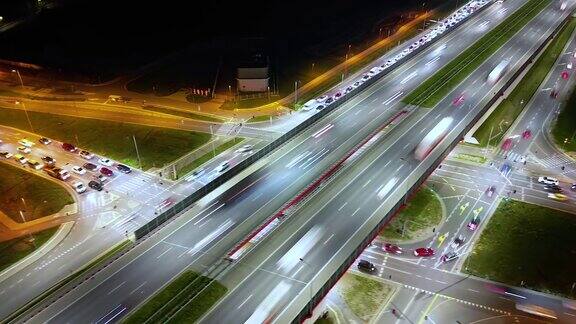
x=548 y=180
x=24 y=149
x=78 y=170
x=244 y=148
x=79 y=187
x=222 y=166
x=6 y=154
x=322 y=98
x=106 y=162
x=309 y=105
x=569 y=65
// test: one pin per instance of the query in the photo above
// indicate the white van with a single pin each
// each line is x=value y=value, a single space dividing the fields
x=309 y=105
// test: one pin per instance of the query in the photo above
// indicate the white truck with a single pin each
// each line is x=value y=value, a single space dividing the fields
x=498 y=72
x=432 y=139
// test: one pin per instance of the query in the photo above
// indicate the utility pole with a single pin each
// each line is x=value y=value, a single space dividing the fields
x=24 y=105
x=137 y=153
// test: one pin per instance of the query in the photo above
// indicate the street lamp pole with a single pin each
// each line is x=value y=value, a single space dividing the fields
x=23 y=104
x=310 y=282
x=137 y=153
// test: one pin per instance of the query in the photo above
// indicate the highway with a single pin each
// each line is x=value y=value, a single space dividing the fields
x=267 y=287
x=127 y=281
x=105 y=217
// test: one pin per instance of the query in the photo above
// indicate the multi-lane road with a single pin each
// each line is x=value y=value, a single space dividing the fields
x=277 y=284
x=127 y=281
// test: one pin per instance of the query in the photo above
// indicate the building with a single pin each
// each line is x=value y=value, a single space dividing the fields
x=253 y=75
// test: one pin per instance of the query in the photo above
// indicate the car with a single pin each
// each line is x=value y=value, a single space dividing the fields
x=45 y=141
x=101 y=178
x=320 y=107
x=107 y=172
x=78 y=186
x=309 y=104
x=490 y=191
x=569 y=65
x=552 y=188
x=337 y=95
x=90 y=166
x=96 y=185
x=123 y=168
x=48 y=160
x=391 y=248
x=473 y=224
x=348 y=89
x=322 y=98
x=507 y=145
x=24 y=149
x=554 y=94
x=548 y=180
x=526 y=134
x=86 y=155
x=26 y=142
x=423 y=252
x=505 y=169
x=449 y=256
x=20 y=158
x=78 y=170
x=69 y=147
x=329 y=101
x=222 y=166
x=105 y=162
x=6 y=154
x=244 y=148
x=558 y=196
x=35 y=165
x=365 y=77
x=366 y=265
x=197 y=173
x=573 y=187
x=458 y=242
x=458 y=100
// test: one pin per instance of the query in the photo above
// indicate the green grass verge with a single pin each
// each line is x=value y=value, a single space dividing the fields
x=527 y=243
x=207 y=156
x=204 y=292
x=564 y=129
x=157 y=146
x=435 y=88
x=422 y=213
x=17 y=249
x=263 y=118
x=471 y=157
x=362 y=295
x=247 y=103
x=42 y=197
x=185 y=114
x=507 y=111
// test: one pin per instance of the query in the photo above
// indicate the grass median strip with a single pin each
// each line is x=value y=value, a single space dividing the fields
x=185 y=114
x=422 y=213
x=435 y=88
x=14 y=250
x=184 y=300
x=527 y=245
x=156 y=146
x=510 y=108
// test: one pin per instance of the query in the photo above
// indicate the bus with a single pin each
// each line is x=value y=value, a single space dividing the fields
x=536 y=310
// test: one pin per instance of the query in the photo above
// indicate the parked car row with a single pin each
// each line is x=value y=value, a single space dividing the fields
x=438 y=29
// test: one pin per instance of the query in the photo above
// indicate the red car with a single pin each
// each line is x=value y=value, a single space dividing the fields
x=507 y=145
x=107 y=172
x=526 y=134
x=391 y=248
x=458 y=101
x=69 y=147
x=423 y=252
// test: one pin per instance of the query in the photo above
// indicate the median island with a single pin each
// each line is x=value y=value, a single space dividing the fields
x=184 y=300
x=527 y=245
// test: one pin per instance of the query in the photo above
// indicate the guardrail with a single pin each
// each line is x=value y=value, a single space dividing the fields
x=235 y=170
x=303 y=305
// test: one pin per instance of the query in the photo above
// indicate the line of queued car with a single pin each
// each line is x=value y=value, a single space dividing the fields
x=552 y=186
x=48 y=164
x=443 y=25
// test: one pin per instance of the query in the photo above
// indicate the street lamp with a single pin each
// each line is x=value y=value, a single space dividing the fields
x=310 y=282
x=23 y=105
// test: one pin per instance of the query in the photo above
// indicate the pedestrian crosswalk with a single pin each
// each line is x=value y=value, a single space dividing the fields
x=511 y=156
x=130 y=183
x=556 y=161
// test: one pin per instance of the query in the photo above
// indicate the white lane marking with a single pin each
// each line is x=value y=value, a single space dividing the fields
x=357 y=209
x=476 y=291
x=210 y=213
x=402 y=271
x=138 y=288
x=367 y=182
x=328 y=239
x=244 y=302
x=344 y=204
x=117 y=287
x=409 y=77
x=389 y=100
x=161 y=254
